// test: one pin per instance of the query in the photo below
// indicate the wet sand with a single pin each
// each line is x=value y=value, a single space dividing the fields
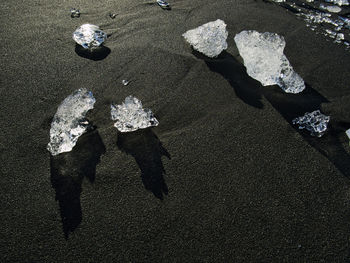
x=225 y=177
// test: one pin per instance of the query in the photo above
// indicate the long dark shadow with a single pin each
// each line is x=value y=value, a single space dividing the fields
x=295 y=105
x=246 y=88
x=96 y=54
x=147 y=150
x=288 y=105
x=67 y=173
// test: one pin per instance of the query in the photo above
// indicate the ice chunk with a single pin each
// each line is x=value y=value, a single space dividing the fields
x=130 y=115
x=332 y=9
x=338 y=2
x=348 y=134
x=74 y=12
x=89 y=36
x=209 y=39
x=163 y=4
x=112 y=15
x=69 y=121
x=264 y=59
x=315 y=122
x=125 y=82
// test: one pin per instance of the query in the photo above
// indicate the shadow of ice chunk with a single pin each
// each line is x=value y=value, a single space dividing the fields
x=209 y=39
x=264 y=59
x=130 y=116
x=69 y=122
x=315 y=122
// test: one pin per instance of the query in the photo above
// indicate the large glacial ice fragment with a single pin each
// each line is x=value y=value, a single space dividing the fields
x=130 y=116
x=89 y=36
x=264 y=59
x=69 y=121
x=315 y=122
x=209 y=39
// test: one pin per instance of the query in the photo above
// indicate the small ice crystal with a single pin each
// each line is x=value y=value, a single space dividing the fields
x=74 y=13
x=339 y=37
x=112 y=15
x=315 y=122
x=69 y=121
x=89 y=36
x=163 y=4
x=264 y=59
x=130 y=115
x=209 y=39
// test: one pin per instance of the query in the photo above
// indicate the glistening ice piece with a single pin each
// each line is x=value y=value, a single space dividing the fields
x=130 y=116
x=163 y=4
x=89 y=36
x=315 y=122
x=264 y=59
x=209 y=39
x=69 y=122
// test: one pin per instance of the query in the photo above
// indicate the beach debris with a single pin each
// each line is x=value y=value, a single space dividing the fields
x=209 y=39
x=348 y=134
x=69 y=122
x=264 y=59
x=89 y=36
x=125 y=82
x=74 y=13
x=112 y=15
x=130 y=116
x=163 y=4
x=315 y=122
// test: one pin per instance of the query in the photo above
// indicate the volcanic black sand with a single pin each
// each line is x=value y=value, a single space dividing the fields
x=225 y=177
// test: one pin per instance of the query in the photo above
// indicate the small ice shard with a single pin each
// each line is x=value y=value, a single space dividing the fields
x=112 y=15
x=264 y=59
x=74 y=12
x=89 y=36
x=69 y=121
x=125 y=82
x=348 y=134
x=315 y=122
x=209 y=39
x=339 y=38
x=130 y=115
x=163 y=4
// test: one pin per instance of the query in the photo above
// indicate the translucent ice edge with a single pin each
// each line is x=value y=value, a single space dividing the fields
x=315 y=122
x=69 y=122
x=130 y=116
x=209 y=39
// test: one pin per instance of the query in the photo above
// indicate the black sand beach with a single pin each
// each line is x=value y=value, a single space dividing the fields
x=224 y=177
